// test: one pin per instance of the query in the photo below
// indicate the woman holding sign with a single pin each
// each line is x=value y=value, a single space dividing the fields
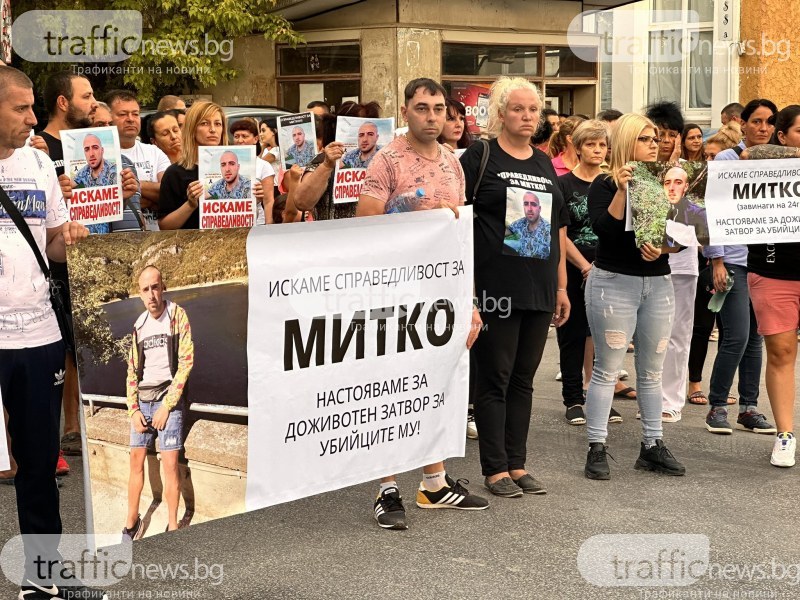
x=179 y=198
x=520 y=279
x=774 y=281
x=628 y=295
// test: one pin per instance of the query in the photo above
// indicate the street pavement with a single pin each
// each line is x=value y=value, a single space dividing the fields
x=329 y=547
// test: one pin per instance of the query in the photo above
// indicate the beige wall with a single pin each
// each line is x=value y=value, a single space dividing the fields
x=395 y=52
x=254 y=57
x=770 y=76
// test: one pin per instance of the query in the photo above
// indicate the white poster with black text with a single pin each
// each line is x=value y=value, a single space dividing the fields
x=363 y=367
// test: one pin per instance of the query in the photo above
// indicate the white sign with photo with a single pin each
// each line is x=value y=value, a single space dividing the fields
x=228 y=174
x=361 y=350
x=753 y=202
x=93 y=162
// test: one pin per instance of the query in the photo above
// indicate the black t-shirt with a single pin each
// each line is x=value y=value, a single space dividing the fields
x=516 y=256
x=616 y=248
x=55 y=150
x=172 y=193
x=776 y=261
x=576 y=195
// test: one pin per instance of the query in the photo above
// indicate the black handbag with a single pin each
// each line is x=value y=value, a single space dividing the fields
x=56 y=287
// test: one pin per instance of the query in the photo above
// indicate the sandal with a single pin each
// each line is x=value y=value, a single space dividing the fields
x=626 y=393
x=71 y=443
x=697 y=397
x=731 y=399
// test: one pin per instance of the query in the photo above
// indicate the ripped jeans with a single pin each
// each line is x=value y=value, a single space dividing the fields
x=619 y=308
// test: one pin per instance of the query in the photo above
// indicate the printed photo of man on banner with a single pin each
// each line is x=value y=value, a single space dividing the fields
x=200 y=349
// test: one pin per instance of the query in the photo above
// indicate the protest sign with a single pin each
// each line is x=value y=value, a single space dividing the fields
x=362 y=138
x=279 y=336
x=363 y=353
x=754 y=202
x=228 y=174
x=93 y=163
x=298 y=139
x=667 y=204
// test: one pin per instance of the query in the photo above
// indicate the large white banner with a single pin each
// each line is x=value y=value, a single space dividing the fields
x=356 y=348
x=753 y=202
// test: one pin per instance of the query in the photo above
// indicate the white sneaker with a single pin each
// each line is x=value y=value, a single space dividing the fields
x=623 y=375
x=472 y=430
x=783 y=451
x=558 y=376
x=670 y=416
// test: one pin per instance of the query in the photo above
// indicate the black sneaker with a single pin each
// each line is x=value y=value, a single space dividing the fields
x=575 y=415
x=389 y=510
x=659 y=458
x=128 y=535
x=597 y=462
x=752 y=420
x=614 y=416
x=453 y=495
x=717 y=421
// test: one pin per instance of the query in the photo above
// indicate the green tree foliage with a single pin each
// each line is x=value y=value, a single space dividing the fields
x=187 y=43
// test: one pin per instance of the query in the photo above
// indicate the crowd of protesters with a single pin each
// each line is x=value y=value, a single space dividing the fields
x=567 y=262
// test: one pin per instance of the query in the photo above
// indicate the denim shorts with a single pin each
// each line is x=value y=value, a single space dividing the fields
x=169 y=438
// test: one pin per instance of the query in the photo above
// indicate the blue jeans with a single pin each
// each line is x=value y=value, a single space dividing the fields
x=620 y=307
x=169 y=438
x=740 y=348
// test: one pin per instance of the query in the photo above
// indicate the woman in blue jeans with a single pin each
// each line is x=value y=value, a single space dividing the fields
x=628 y=295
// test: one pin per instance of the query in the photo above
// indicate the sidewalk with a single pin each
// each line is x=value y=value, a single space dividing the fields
x=329 y=547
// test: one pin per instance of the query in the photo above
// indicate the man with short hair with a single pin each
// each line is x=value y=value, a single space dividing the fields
x=732 y=112
x=684 y=283
x=159 y=362
x=395 y=172
x=319 y=108
x=231 y=185
x=169 y=102
x=150 y=161
x=97 y=171
x=31 y=344
x=360 y=157
x=302 y=152
x=70 y=104
x=532 y=232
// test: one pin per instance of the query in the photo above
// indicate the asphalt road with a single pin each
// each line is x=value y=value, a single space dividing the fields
x=328 y=546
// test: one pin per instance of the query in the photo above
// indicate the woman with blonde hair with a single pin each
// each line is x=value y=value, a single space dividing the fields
x=561 y=148
x=628 y=295
x=728 y=136
x=520 y=279
x=179 y=197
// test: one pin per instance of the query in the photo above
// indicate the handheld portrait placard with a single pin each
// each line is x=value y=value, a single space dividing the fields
x=668 y=203
x=362 y=139
x=93 y=162
x=228 y=174
x=298 y=139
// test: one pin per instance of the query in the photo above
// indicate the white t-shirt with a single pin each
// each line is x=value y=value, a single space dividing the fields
x=153 y=334
x=264 y=170
x=27 y=319
x=149 y=160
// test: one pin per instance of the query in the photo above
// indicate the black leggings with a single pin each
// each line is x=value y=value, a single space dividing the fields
x=572 y=340
x=703 y=325
x=507 y=354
